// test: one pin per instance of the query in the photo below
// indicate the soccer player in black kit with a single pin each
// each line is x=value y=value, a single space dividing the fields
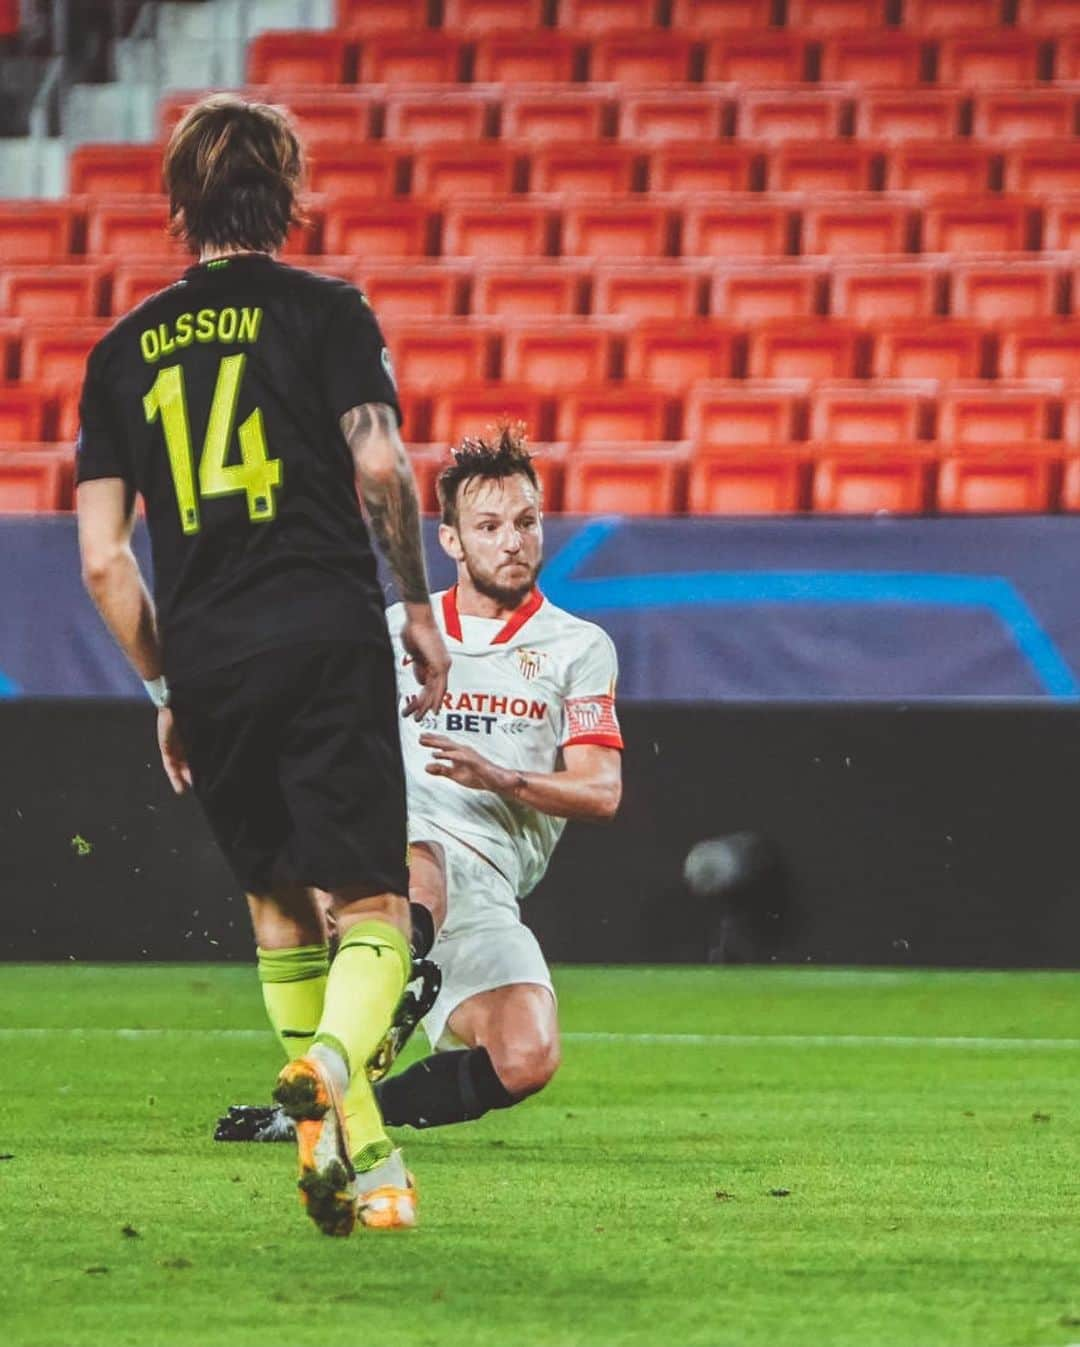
x=246 y=404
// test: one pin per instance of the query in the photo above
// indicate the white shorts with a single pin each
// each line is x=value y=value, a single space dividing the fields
x=483 y=943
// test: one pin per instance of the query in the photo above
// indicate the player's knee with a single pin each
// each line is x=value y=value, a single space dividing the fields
x=525 y=1068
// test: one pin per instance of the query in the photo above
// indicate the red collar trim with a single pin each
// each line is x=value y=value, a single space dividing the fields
x=517 y=619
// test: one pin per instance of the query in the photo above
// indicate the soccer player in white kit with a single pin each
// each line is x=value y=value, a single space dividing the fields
x=526 y=738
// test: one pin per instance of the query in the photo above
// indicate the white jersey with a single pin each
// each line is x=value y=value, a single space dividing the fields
x=520 y=691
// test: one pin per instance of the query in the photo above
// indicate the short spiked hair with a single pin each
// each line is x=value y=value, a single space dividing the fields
x=501 y=456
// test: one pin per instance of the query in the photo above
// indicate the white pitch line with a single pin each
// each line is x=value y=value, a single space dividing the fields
x=661 y=1040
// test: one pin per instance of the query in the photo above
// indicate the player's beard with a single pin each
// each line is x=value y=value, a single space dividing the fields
x=507 y=596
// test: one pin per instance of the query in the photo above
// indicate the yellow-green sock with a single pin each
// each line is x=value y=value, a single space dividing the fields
x=294 y=987
x=366 y=980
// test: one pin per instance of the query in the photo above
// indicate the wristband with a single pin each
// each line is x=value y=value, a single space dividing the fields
x=158 y=691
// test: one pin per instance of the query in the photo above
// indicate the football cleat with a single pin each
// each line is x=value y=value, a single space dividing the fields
x=255 y=1122
x=327 y=1178
x=386 y=1197
x=411 y=1009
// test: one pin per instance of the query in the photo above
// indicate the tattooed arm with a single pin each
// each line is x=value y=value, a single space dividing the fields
x=388 y=490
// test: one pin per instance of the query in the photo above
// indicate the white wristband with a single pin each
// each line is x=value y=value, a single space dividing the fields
x=158 y=691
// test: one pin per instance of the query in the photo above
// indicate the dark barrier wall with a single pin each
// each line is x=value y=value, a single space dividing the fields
x=913 y=836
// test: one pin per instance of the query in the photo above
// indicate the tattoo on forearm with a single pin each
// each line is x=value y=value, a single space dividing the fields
x=390 y=499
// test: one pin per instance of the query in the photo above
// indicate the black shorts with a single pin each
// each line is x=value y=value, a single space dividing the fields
x=296 y=759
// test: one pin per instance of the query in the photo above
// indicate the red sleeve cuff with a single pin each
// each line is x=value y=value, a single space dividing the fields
x=603 y=740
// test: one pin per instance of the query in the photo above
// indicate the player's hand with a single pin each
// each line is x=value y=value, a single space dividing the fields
x=465 y=766
x=173 y=753
x=423 y=640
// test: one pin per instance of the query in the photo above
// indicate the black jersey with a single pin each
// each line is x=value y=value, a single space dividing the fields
x=219 y=400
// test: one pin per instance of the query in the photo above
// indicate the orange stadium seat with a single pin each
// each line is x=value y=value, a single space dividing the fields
x=971 y=225
x=606 y=16
x=981 y=60
x=492 y=230
x=885 y=59
x=608 y=415
x=11 y=334
x=1006 y=290
x=486 y=16
x=427 y=461
x=449 y=172
x=554 y=356
x=52 y=292
x=895 y=115
x=825 y=16
x=754 y=294
x=1040 y=350
x=860 y=413
x=717 y=16
x=1070 y=483
x=935 y=167
x=997 y=482
x=992 y=415
x=1067 y=57
x=735 y=227
x=872 y=479
x=338 y=114
x=420 y=118
x=134 y=281
x=35 y=231
x=555 y=114
x=931 y=18
x=361 y=18
x=134 y=226
x=927 y=349
x=1050 y=168
x=598 y=482
x=431 y=355
x=869 y=291
x=647 y=290
x=1048 y=16
x=756 y=57
x=790 y=114
x=401 y=59
x=301 y=56
x=657 y=117
x=597 y=170
x=472 y=410
x=54 y=357
x=739 y=414
x=819 y=166
x=1001 y=115
x=863 y=225
x=731 y=483
x=506 y=290
x=803 y=349
x=510 y=58
x=1061 y=223
x=24 y=413
x=368 y=229
x=549 y=465
x=693 y=166
x=115 y=170
x=624 y=229
x=641 y=57
x=676 y=353
x=1070 y=427
x=411 y=289
x=33 y=482
x=364 y=170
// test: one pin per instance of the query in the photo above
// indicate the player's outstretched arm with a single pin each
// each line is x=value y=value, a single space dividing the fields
x=388 y=490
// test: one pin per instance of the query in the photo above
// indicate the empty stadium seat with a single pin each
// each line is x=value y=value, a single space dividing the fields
x=742 y=413
x=1070 y=483
x=756 y=57
x=865 y=225
x=605 y=16
x=879 y=290
x=754 y=294
x=1050 y=168
x=897 y=115
x=492 y=230
x=981 y=60
x=1048 y=16
x=137 y=226
x=641 y=57
x=694 y=166
x=552 y=290
x=332 y=113
x=971 y=225
x=647 y=290
x=411 y=289
x=52 y=292
x=939 y=167
x=54 y=357
x=884 y=59
x=927 y=349
x=983 y=415
x=825 y=16
x=364 y=170
x=871 y=479
x=11 y=334
x=35 y=231
x=555 y=114
x=931 y=18
x=114 y=170
x=555 y=356
x=473 y=410
x=450 y=172
x=735 y=227
x=1070 y=425
x=362 y=18
x=598 y=482
x=998 y=482
x=803 y=349
x=676 y=353
x=1001 y=115
x=1003 y=291
x=301 y=56
x=819 y=166
x=1040 y=350
x=597 y=170
x=400 y=59
x=790 y=114
x=24 y=413
x=1061 y=223
x=611 y=414
x=427 y=461
x=370 y=229
x=134 y=281
x=718 y=16
x=422 y=117
x=624 y=229
x=486 y=16
x=726 y=482
x=33 y=482
x=511 y=58
x=1067 y=57
x=860 y=413
x=435 y=355
x=686 y=115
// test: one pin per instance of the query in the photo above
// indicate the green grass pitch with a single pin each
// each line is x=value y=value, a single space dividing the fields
x=684 y=1181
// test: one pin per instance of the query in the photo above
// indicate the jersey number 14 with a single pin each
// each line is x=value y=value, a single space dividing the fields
x=257 y=475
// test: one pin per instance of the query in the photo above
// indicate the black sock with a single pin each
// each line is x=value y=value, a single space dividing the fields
x=423 y=930
x=447 y=1087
